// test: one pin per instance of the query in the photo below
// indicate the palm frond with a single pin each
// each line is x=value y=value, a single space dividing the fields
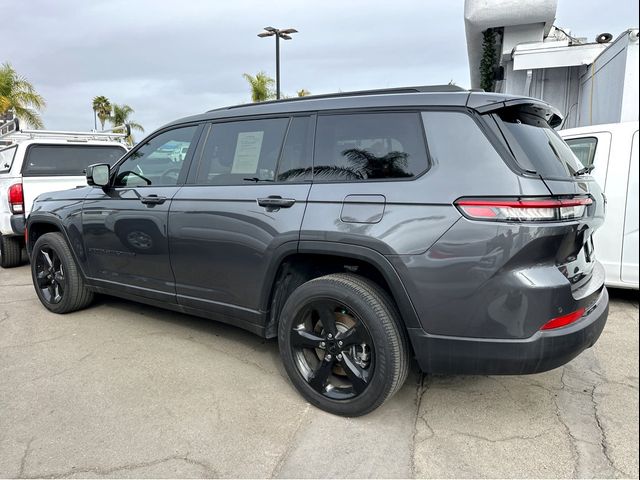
x=261 y=86
x=18 y=95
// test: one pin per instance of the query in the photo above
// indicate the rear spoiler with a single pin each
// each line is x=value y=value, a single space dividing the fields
x=532 y=106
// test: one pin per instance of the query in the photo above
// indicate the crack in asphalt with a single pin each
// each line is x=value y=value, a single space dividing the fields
x=18 y=300
x=500 y=439
x=290 y=444
x=420 y=390
x=23 y=461
x=63 y=371
x=604 y=442
x=37 y=342
x=209 y=471
x=575 y=452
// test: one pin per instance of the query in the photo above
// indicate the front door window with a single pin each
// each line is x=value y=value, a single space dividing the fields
x=159 y=161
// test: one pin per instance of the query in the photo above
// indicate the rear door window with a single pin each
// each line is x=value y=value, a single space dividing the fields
x=67 y=160
x=370 y=146
x=242 y=152
x=536 y=146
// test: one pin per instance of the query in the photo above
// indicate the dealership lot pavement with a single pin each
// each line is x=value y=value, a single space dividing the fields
x=126 y=390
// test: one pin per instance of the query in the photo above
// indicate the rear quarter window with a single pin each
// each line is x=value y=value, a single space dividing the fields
x=67 y=160
x=370 y=146
x=456 y=141
x=6 y=158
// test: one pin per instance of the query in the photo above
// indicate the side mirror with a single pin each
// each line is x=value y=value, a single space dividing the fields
x=98 y=175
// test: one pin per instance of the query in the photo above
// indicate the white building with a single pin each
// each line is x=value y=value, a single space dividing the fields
x=591 y=82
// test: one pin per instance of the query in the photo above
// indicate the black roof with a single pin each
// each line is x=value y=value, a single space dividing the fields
x=439 y=95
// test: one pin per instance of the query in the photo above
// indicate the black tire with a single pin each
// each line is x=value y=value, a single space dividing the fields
x=56 y=278
x=366 y=304
x=10 y=251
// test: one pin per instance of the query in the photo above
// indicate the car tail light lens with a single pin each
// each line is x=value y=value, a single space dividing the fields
x=563 y=320
x=524 y=209
x=16 y=198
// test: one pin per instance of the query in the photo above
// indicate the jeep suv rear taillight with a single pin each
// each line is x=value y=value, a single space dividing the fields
x=16 y=198
x=523 y=209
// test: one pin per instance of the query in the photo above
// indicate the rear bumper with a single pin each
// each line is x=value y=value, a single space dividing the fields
x=542 y=351
x=17 y=224
x=11 y=225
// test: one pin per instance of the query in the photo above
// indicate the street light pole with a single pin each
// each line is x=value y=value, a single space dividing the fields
x=277 y=67
x=284 y=34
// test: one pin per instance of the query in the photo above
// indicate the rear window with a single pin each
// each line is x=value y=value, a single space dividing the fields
x=537 y=147
x=67 y=160
x=372 y=146
x=6 y=158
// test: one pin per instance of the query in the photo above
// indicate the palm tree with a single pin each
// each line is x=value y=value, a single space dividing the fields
x=121 y=114
x=102 y=108
x=17 y=95
x=303 y=93
x=261 y=86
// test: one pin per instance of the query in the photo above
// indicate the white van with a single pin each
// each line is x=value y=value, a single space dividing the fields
x=612 y=150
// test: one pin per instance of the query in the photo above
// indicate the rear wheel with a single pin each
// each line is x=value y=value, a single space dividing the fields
x=56 y=278
x=10 y=251
x=342 y=344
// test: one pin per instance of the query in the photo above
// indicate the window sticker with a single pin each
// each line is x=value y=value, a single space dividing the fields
x=247 y=153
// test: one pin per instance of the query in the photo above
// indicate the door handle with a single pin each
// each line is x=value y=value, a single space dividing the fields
x=275 y=202
x=153 y=200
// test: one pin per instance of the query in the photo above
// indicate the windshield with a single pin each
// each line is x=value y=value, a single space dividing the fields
x=537 y=147
x=6 y=158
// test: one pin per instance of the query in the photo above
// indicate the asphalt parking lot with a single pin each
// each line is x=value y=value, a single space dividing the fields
x=126 y=390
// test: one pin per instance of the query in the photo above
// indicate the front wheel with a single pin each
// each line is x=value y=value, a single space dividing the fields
x=56 y=278
x=342 y=344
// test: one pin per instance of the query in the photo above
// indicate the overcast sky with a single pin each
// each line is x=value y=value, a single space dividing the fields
x=172 y=59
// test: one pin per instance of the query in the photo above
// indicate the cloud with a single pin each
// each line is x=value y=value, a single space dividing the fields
x=171 y=59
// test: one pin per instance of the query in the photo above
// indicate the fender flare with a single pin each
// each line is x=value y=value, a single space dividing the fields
x=357 y=252
x=39 y=218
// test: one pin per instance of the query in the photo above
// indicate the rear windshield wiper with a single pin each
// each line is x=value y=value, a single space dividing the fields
x=584 y=171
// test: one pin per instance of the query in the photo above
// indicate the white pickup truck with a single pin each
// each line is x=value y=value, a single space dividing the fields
x=33 y=162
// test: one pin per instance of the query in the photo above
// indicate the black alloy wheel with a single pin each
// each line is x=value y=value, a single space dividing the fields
x=50 y=277
x=333 y=349
x=342 y=343
x=56 y=277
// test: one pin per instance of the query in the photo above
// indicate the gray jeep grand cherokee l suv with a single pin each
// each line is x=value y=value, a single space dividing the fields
x=359 y=229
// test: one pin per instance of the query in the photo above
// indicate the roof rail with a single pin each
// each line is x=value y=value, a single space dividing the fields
x=358 y=93
x=12 y=132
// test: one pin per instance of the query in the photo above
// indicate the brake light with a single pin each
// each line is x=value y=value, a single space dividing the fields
x=524 y=209
x=16 y=198
x=563 y=320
